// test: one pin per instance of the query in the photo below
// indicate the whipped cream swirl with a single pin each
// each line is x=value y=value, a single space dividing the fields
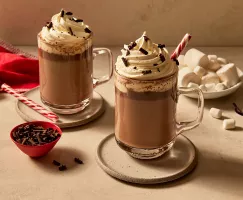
x=65 y=29
x=145 y=60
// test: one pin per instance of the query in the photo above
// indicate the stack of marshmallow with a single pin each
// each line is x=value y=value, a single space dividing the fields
x=208 y=72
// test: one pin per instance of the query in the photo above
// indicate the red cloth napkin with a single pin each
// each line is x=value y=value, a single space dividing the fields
x=18 y=69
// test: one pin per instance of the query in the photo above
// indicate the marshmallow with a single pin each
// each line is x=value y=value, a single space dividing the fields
x=194 y=57
x=181 y=59
x=229 y=124
x=212 y=57
x=215 y=113
x=227 y=84
x=210 y=77
x=210 y=87
x=228 y=73
x=199 y=71
x=222 y=61
x=186 y=75
x=220 y=87
x=203 y=88
x=213 y=65
x=192 y=85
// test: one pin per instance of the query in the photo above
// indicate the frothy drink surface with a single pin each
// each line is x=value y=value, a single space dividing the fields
x=146 y=95
x=65 y=79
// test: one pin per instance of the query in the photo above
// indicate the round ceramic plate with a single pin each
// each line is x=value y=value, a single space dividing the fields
x=93 y=111
x=215 y=95
x=178 y=162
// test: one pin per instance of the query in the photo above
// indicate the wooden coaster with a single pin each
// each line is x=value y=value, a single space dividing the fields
x=93 y=111
x=178 y=162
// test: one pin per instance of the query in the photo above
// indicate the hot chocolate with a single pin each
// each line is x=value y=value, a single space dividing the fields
x=66 y=59
x=146 y=95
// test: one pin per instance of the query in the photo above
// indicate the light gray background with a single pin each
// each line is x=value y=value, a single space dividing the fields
x=211 y=22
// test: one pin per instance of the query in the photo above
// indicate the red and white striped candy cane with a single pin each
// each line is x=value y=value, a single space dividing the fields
x=181 y=46
x=38 y=108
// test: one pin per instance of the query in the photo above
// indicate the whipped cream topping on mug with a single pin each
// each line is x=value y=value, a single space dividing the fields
x=65 y=28
x=145 y=60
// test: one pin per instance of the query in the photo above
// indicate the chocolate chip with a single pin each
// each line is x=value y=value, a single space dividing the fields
x=155 y=64
x=161 y=46
x=177 y=62
x=145 y=38
x=124 y=61
x=62 y=13
x=71 y=31
x=134 y=67
x=77 y=160
x=162 y=58
x=143 y=51
x=132 y=45
x=62 y=168
x=69 y=13
x=56 y=163
x=158 y=69
x=87 y=30
x=146 y=72
x=127 y=52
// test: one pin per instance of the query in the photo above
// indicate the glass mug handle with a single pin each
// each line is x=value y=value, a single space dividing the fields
x=184 y=126
x=103 y=79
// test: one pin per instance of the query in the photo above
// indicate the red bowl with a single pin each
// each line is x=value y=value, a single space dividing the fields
x=37 y=151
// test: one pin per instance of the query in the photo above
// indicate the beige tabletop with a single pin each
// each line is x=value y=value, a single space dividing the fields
x=218 y=176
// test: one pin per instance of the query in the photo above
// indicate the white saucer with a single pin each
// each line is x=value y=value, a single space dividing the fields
x=93 y=111
x=215 y=95
x=178 y=162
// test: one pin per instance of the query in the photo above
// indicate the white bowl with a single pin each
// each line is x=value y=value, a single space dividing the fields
x=215 y=95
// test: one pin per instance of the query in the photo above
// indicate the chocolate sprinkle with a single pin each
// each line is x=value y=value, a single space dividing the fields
x=62 y=168
x=77 y=160
x=177 y=62
x=162 y=58
x=87 y=30
x=124 y=61
x=56 y=163
x=132 y=45
x=62 y=13
x=134 y=67
x=78 y=20
x=69 y=13
x=146 y=38
x=71 y=31
x=146 y=72
x=161 y=46
x=143 y=51
x=237 y=109
x=49 y=25
x=158 y=69
x=155 y=64
x=127 y=53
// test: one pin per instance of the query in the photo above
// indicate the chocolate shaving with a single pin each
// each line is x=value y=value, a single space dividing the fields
x=127 y=52
x=145 y=38
x=134 y=67
x=143 y=51
x=177 y=62
x=69 y=13
x=78 y=20
x=132 y=45
x=146 y=72
x=125 y=61
x=62 y=168
x=56 y=163
x=237 y=109
x=71 y=31
x=49 y=25
x=155 y=64
x=77 y=160
x=87 y=30
x=158 y=69
x=161 y=46
x=62 y=13
x=162 y=58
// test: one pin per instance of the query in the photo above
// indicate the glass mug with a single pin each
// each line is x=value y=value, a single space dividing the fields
x=66 y=81
x=145 y=115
